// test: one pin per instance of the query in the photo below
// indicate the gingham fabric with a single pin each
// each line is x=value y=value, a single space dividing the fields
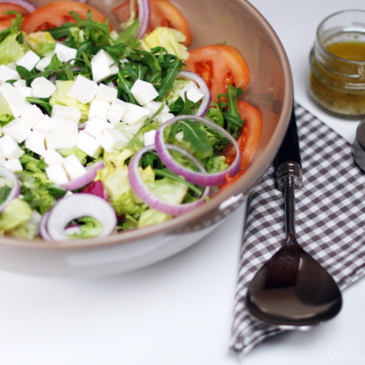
x=330 y=221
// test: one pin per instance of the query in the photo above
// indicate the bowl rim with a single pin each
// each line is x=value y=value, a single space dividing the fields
x=247 y=181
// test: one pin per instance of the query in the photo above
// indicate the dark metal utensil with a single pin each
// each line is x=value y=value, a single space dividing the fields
x=292 y=289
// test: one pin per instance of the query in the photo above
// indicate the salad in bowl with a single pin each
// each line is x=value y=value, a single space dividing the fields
x=107 y=130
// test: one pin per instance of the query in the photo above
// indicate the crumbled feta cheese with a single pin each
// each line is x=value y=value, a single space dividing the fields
x=17 y=129
x=68 y=112
x=52 y=157
x=13 y=165
x=15 y=99
x=65 y=53
x=164 y=117
x=83 y=89
x=73 y=167
x=99 y=109
x=94 y=126
x=179 y=136
x=32 y=116
x=43 y=63
x=10 y=148
x=43 y=88
x=43 y=126
x=134 y=114
x=35 y=143
x=107 y=93
x=111 y=139
x=89 y=145
x=149 y=138
x=101 y=65
x=192 y=92
x=153 y=107
x=19 y=83
x=116 y=111
x=28 y=61
x=61 y=140
x=62 y=125
x=26 y=91
x=6 y=73
x=144 y=92
x=2 y=158
x=57 y=174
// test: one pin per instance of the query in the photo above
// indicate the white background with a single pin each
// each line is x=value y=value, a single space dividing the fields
x=178 y=312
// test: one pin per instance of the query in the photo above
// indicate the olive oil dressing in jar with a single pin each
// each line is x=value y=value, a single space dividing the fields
x=337 y=65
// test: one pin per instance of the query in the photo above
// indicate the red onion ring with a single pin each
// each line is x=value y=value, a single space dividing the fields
x=153 y=201
x=144 y=10
x=15 y=191
x=22 y=3
x=204 y=106
x=43 y=233
x=86 y=178
x=78 y=206
x=193 y=177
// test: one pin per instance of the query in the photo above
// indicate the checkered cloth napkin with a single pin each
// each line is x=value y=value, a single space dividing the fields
x=330 y=221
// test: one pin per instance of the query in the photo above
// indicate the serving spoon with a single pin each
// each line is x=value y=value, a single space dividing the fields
x=292 y=290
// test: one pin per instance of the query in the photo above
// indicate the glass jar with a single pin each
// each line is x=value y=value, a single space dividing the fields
x=337 y=65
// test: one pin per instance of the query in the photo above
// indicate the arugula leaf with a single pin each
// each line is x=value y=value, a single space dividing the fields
x=167 y=81
x=194 y=135
x=4 y=193
x=68 y=71
x=24 y=73
x=42 y=102
x=129 y=36
x=124 y=88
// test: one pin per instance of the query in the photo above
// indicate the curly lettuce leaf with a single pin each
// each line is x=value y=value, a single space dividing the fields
x=151 y=217
x=29 y=230
x=6 y=115
x=16 y=213
x=89 y=228
x=10 y=50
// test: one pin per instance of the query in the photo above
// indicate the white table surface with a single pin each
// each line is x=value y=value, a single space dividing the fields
x=178 y=312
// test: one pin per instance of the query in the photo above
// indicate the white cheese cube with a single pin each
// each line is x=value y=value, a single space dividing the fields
x=35 y=143
x=2 y=158
x=83 y=89
x=52 y=157
x=18 y=130
x=43 y=126
x=101 y=66
x=164 y=117
x=111 y=139
x=6 y=73
x=134 y=114
x=61 y=140
x=13 y=165
x=116 y=111
x=15 y=99
x=179 y=136
x=107 y=93
x=68 y=112
x=144 y=92
x=32 y=116
x=65 y=53
x=43 y=63
x=19 y=83
x=89 y=145
x=154 y=106
x=28 y=61
x=192 y=92
x=149 y=138
x=62 y=125
x=26 y=91
x=10 y=148
x=99 y=109
x=73 y=167
x=94 y=127
x=57 y=174
x=43 y=88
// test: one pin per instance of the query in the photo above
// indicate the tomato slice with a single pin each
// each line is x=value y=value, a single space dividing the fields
x=5 y=20
x=163 y=14
x=248 y=141
x=219 y=65
x=57 y=13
